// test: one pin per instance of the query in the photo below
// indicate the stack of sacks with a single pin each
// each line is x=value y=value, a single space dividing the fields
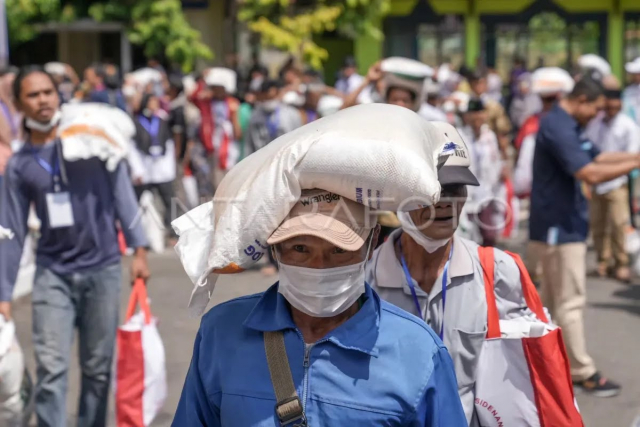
x=550 y=81
x=219 y=76
x=95 y=130
x=380 y=155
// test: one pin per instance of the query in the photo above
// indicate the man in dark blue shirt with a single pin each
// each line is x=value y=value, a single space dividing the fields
x=563 y=162
x=78 y=274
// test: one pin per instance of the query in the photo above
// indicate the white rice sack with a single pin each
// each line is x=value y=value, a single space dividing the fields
x=406 y=67
x=380 y=155
x=220 y=76
x=55 y=68
x=551 y=80
x=144 y=76
x=595 y=62
x=95 y=130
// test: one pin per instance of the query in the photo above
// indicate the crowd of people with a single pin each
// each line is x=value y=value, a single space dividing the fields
x=560 y=145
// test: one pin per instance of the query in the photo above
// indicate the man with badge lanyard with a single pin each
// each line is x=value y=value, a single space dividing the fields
x=424 y=270
x=156 y=150
x=559 y=222
x=78 y=276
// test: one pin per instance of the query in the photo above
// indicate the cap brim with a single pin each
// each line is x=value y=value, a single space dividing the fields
x=325 y=227
x=461 y=175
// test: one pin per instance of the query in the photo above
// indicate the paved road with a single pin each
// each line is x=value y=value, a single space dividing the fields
x=612 y=319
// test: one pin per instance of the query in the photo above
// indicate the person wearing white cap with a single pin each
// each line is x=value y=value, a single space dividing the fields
x=609 y=206
x=631 y=95
x=319 y=344
x=424 y=269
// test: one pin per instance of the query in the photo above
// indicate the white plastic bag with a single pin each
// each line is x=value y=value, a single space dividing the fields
x=523 y=376
x=11 y=372
x=382 y=156
x=190 y=185
x=140 y=378
x=152 y=222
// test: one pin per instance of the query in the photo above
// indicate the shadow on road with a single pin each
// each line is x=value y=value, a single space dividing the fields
x=631 y=292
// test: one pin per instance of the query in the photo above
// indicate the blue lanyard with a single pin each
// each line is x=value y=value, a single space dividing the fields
x=445 y=274
x=152 y=127
x=273 y=122
x=54 y=170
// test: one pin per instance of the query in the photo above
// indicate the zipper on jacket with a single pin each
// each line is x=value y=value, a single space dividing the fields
x=305 y=380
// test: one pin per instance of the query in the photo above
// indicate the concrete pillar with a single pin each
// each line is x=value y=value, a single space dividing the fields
x=367 y=50
x=125 y=53
x=615 y=39
x=472 y=34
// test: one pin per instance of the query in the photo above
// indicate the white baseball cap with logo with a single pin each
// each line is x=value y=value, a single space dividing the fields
x=454 y=159
x=329 y=216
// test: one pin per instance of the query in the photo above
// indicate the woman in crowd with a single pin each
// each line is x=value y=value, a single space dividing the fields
x=154 y=161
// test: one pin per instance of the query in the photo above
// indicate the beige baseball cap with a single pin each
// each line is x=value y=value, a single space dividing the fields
x=329 y=216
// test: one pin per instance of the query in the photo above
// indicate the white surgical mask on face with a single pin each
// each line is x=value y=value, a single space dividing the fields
x=43 y=127
x=323 y=292
x=429 y=245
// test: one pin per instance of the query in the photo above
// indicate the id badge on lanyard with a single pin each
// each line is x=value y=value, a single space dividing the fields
x=445 y=274
x=59 y=208
x=153 y=129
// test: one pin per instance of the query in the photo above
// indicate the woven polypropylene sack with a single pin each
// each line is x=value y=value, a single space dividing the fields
x=382 y=156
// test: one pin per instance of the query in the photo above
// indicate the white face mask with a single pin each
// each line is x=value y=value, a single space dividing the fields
x=323 y=292
x=429 y=245
x=43 y=127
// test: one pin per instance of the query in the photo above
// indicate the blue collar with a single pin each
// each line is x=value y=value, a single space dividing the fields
x=359 y=333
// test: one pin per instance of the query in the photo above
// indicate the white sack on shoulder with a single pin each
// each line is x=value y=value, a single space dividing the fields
x=95 y=130
x=379 y=155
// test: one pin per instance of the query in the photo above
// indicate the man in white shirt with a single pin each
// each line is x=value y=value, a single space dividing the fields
x=349 y=80
x=631 y=95
x=612 y=131
x=431 y=109
x=486 y=165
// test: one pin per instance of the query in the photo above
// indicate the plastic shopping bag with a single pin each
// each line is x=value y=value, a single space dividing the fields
x=11 y=376
x=523 y=371
x=140 y=372
x=152 y=222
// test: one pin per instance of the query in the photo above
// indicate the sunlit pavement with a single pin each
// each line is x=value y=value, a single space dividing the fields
x=612 y=328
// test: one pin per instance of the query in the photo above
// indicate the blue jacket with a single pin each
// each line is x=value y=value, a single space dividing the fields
x=382 y=367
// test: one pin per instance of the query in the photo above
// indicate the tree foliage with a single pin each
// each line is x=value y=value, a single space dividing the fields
x=290 y=25
x=158 y=25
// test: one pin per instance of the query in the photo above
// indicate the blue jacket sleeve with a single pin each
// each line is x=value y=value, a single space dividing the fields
x=14 y=211
x=195 y=409
x=127 y=207
x=440 y=406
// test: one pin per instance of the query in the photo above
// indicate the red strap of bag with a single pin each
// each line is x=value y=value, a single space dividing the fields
x=487 y=262
x=529 y=290
x=139 y=297
x=531 y=297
